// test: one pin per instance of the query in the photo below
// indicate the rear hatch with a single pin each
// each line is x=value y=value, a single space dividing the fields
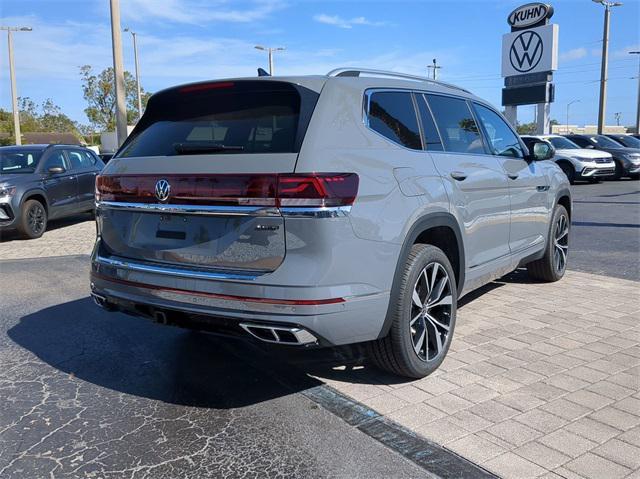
x=195 y=184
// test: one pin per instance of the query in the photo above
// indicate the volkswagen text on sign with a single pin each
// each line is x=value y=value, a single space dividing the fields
x=530 y=51
x=529 y=15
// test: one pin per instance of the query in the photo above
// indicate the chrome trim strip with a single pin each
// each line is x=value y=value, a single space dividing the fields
x=310 y=212
x=316 y=212
x=180 y=272
x=190 y=209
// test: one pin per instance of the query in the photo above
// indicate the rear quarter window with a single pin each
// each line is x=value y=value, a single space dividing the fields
x=392 y=114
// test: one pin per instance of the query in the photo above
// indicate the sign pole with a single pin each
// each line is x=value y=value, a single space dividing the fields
x=511 y=114
x=544 y=122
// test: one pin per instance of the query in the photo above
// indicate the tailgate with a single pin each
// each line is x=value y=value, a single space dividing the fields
x=194 y=184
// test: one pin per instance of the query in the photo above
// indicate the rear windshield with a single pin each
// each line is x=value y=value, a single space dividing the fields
x=221 y=118
x=19 y=160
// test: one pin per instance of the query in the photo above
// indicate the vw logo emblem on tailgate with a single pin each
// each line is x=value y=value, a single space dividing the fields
x=163 y=189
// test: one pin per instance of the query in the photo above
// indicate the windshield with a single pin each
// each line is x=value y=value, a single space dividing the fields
x=19 y=160
x=628 y=141
x=605 y=142
x=220 y=118
x=560 y=143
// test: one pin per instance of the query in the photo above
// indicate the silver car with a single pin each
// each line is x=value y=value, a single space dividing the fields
x=357 y=206
x=576 y=162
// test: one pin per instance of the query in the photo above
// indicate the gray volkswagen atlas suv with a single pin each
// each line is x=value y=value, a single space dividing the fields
x=354 y=207
x=42 y=182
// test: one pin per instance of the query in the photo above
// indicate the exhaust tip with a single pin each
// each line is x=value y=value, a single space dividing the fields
x=99 y=300
x=279 y=334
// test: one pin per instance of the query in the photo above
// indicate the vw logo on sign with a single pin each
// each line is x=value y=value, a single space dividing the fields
x=526 y=51
x=163 y=189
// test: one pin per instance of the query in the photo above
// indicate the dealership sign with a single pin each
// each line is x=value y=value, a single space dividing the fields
x=530 y=15
x=529 y=56
x=530 y=51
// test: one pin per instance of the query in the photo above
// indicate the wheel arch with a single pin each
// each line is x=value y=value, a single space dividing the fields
x=564 y=198
x=437 y=229
x=38 y=195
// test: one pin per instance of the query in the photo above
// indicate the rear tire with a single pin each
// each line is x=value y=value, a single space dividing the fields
x=33 y=219
x=424 y=316
x=569 y=171
x=552 y=266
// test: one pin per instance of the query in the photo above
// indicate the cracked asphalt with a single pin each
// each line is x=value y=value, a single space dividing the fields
x=87 y=393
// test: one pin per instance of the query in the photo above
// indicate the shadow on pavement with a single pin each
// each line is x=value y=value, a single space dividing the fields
x=137 y=357
x=12 y=235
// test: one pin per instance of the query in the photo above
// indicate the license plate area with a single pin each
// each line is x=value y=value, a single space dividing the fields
x=211 y=241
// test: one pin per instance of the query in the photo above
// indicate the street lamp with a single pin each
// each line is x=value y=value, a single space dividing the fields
x=270 y=51
x=638 y=107
x=605 y=55
x=135 y=56
x=12 y=75
x=568 y=105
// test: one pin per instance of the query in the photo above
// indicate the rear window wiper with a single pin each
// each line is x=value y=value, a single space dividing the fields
x=195 y=148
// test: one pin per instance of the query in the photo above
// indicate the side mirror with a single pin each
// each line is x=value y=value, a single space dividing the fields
x=541 y=150
x=56 y=170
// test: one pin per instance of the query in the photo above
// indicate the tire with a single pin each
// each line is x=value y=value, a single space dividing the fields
x=619 y=171
x=416 y=345
x=552 y=266
x=33 y=219
x=635 y=176
x=569 y=171
x=594 y=181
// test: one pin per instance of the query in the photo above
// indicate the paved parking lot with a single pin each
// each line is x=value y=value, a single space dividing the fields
x=543 y=380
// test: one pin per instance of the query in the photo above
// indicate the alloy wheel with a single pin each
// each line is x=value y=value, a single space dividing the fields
x=561 y=244
x=431 y=312
x=35 y=219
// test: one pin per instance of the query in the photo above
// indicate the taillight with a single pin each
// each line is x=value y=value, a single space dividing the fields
x=317 y=189
x=286 y=190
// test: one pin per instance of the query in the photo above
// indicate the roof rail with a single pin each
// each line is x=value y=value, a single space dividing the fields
x=356 y=72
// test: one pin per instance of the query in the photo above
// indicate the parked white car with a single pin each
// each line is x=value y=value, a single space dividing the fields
x=578 y=163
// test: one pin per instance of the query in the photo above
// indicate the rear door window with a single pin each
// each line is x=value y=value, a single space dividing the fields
x=223 y=117
x=79 y=160
x=457 y=126
x=392 y=114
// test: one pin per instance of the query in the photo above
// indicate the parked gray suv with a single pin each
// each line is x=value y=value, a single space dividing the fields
x=324 y=210
x=42 y=182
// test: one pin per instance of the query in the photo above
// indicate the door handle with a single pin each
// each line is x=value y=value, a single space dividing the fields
x=458 y=175
x=72 y=177
x=513 y=176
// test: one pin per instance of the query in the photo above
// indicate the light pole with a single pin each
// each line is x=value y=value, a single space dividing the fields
x=12 y=75
x=568 y=105
x=135 y=56
x=118 y=73
x=638 y=106
x=605 y=59
x=270 y=51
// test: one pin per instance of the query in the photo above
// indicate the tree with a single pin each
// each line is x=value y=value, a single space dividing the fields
x=526 y=128
x=99 y=92
x=47 y=117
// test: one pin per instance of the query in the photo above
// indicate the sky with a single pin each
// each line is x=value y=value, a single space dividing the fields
x=181 y=41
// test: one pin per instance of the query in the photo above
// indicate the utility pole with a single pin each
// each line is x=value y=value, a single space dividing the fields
x=617 y=116
x=135 y=56
x=638 y=106
x=435 y=68
x=118 y=73
x=568 y=105
x=12 y=75
x=605 y=59
x=270 y=51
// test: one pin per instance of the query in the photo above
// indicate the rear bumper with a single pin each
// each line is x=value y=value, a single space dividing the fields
x=333 y=314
